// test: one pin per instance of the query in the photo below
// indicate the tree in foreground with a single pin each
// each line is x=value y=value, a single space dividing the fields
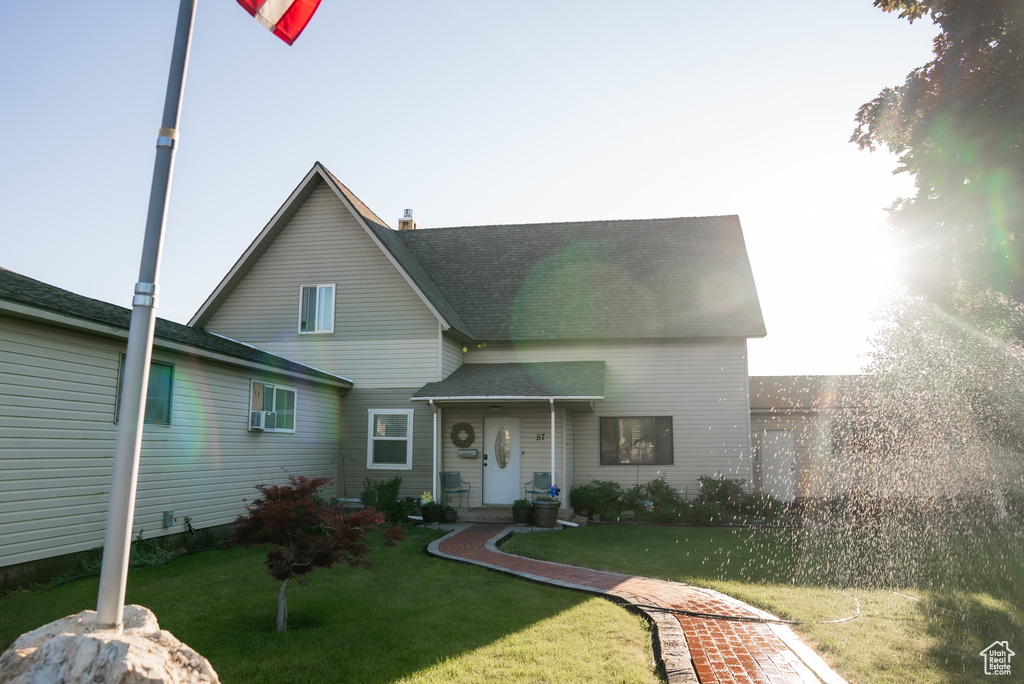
x=307 y=532
x=957 y=128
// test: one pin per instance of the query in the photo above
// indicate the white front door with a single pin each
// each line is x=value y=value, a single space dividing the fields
x=778 y=464
x=501 y=460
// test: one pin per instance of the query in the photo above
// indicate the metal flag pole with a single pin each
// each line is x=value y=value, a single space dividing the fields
x=117 y=542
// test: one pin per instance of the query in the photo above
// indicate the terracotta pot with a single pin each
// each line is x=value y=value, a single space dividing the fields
x=450 y=516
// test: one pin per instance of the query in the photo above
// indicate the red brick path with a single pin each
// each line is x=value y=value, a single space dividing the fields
x=693 y=649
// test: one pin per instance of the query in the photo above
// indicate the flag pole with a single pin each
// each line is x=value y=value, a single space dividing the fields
x=121 y=511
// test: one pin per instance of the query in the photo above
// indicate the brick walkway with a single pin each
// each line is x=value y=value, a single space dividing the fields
x=692 y=649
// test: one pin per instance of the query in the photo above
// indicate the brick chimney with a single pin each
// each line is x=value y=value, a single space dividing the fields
x=407 y=222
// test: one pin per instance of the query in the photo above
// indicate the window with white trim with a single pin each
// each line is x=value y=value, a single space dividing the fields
x=272 y=408
x=316 y=309
x=389 y=442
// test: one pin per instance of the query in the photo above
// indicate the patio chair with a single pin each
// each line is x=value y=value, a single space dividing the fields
x=538 y=486
x=452 y=483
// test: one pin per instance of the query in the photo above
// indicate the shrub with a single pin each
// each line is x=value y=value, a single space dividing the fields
x=761 y=506
x=383 y=496
x=655 y=501
x=143 y=553
x=722 y=490
x=600 y=496
x=705 y=513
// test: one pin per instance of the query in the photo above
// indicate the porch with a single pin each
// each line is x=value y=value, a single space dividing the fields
x=501 y=426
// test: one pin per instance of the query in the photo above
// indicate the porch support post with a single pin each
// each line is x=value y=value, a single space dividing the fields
x=552 y=441
x=434 y=484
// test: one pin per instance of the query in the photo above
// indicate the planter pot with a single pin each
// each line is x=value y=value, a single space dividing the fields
x=450 y=516
x=522 y=516
x=431 y=514
x=545 y=513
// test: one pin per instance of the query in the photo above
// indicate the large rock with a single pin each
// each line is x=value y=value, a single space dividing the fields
x=73 y=649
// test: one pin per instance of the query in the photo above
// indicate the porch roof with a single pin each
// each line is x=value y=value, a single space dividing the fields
x=572 y=381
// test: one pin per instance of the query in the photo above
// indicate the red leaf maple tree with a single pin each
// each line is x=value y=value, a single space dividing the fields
x=307 y=532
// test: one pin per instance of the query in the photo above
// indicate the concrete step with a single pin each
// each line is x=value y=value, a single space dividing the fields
x=487 y=514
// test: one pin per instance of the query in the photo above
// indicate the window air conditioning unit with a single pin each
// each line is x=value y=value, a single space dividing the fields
x=257 y=420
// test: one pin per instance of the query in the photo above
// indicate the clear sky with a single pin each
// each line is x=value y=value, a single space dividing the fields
x=469 y=113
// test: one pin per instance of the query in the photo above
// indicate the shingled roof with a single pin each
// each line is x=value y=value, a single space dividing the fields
x=581 y=380
x=771 y=393
x=657 y=278
x=36 y=295
x=653 y=278
x=676 y=278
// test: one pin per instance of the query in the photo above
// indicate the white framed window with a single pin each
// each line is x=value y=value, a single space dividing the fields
x=272 y=408
x=389 y=439
x=159 y=395
x=316 y=308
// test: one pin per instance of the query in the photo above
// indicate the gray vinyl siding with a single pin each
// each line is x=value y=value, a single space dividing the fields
x=702 y=384
x=352 y=454
x=384 y=335
x=451 y=356
x=57 y=433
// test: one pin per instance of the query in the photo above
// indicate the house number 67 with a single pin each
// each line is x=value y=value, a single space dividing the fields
x=541 y=436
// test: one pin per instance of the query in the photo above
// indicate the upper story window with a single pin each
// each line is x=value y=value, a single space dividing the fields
x=158 y=395
x=389 y=443
x=272 y=408
x=636 y=441
x=316 y=309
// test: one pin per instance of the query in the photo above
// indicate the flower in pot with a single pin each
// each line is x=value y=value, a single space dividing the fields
x=545 y=508
x=430 y=509
x=448 y=513
x=522 y=512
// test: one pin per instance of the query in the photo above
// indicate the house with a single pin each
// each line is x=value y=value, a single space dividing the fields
x=60 y=358
x=611 y=350
x=337 y=346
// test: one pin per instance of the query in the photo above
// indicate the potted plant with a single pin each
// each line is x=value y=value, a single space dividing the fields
x=545 y=508
x=448 y=513
x=522 y=512
x=429 y=508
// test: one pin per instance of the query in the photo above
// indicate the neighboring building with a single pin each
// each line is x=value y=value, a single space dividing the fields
x=60 y=357
x=808 y=434
x=595 y=350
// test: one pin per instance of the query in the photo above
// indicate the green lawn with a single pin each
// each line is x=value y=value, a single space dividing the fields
x=969 y=585
x=421 y=619
x=413 y=619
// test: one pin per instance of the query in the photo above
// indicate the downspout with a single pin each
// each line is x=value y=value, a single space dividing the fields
x=565 y=457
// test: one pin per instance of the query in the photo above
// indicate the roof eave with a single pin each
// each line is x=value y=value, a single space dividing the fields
x=500 y=397
x=113 y=331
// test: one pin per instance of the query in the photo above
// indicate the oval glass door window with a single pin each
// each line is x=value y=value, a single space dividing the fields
x=502 y=447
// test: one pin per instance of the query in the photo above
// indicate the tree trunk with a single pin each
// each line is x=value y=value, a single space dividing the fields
x=282 y=608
